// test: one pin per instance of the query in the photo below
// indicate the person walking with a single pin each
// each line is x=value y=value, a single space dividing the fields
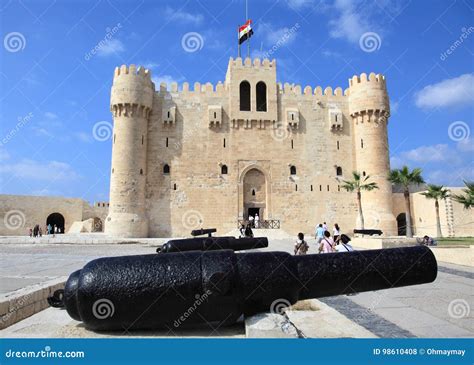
x=301 y=246
x=336 y=233
x=344 y=245
x=49 y=228
x=248 y=231
x=257 y=220
x=327 y=243
x=319 y=235
x=325 y=226
x=251 y=221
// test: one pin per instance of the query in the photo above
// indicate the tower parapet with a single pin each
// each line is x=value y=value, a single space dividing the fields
x=131 y=104
x=369 y=109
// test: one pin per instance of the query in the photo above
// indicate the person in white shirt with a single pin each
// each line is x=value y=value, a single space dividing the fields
x=257 y=220
x=344 y=245
x=325 y=226
x=251 y=221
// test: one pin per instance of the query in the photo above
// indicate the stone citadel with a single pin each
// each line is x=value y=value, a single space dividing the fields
x=212 y=155
x=215 y=154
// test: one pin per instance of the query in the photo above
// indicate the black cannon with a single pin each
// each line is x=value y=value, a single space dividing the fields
x=200 y=232
x=213 y=243
x=369 y=232
x=216 y=287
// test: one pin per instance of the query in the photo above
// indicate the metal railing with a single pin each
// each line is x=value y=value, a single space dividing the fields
x=262 y=224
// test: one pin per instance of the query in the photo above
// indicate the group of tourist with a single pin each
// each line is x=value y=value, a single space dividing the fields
x=37 y=231
x=254 y=221
x=325 y=243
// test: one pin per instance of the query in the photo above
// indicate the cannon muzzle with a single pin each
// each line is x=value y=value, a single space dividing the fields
x=199 y=287
x=213 y=243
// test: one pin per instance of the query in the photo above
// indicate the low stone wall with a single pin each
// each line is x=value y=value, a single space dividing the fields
x=455 y=255
x=373 y=243
x=23 y=303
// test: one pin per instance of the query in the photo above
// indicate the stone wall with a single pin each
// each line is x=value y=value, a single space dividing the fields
x=19 y=213
x=455 y=220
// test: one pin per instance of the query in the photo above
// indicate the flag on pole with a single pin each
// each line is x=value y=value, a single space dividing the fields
x=245 y=31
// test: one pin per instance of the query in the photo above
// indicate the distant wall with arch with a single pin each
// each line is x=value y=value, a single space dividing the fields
x=19 y=213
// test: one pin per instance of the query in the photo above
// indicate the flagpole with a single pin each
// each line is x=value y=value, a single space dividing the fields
x=238 y=41
x=246 y=19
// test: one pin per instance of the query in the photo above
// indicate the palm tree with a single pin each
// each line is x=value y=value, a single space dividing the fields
x=466 y=199
x=358 y=184
x=436 y=192
x=405 y=178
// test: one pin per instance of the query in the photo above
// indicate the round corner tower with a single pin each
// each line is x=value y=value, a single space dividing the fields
x=131 y=104
x=369 y=108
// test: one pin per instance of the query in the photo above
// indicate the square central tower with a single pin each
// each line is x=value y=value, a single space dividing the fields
x=252 y=90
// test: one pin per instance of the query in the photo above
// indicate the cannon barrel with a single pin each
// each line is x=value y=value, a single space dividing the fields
x=200 y=232
x=201 y=287
x=213 y=243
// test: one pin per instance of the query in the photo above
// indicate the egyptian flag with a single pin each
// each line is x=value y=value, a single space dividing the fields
x=245 y=31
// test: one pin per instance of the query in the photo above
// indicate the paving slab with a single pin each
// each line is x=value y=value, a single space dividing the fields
x=56 y=323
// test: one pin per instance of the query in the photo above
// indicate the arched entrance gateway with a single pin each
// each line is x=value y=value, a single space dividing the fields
x=56 y=219
x=255 y=194
x=402 y=224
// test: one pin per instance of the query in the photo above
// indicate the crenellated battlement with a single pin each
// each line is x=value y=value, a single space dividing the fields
x=132 y=70
x=361 y=80
x=197 y=88
x=292 y=89
x=256 y=63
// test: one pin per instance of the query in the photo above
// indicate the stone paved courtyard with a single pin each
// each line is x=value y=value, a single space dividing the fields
x=428 y=310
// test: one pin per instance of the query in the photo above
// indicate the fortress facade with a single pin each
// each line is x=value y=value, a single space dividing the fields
x=213 y=155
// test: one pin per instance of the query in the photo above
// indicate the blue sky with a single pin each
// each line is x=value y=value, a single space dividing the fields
x=57 y=61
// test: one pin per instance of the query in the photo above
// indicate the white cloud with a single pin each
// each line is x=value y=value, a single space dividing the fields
x=466 y=145
x=457 y=91
x=4 y=155
x=455 y=177
x=51 y=115
x=278 y=36
x=183 y=16
x=42 y=132
x=112 y=46
x=441 y=164
x=350 y=23
x=435 y=153
x=36 y=170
